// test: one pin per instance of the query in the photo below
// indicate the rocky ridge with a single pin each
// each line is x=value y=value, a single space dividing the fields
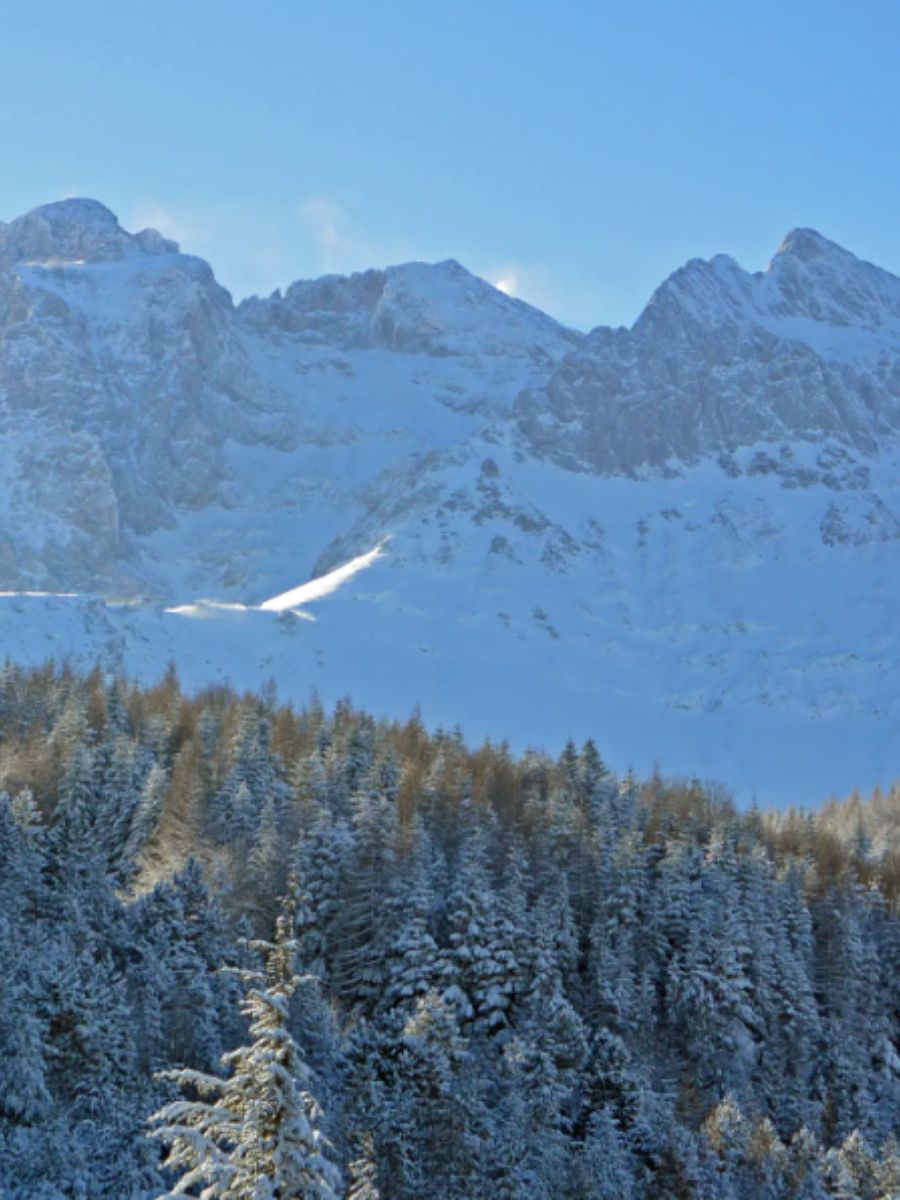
x=808 y=350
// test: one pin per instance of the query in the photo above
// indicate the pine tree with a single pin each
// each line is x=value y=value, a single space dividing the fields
x=254 y=1135
x=24 y=1096
x=606 y=1168
x=806 y=1166
x=615 y=959
x=256 y=776
x=89 y=1044
x=382 y=1098
x=359 y=935
x=319 y=862
x=267 y=866
x=540 y=1105
x=435 y=1069
x=413 y=964
x=480 y=970
x=78 y=856
x=145 y=816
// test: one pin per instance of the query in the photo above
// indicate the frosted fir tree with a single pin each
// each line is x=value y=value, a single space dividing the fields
x=413 y=958
x=254 y=1135
x=536 y=1099
x=255 y=776
x=77 y=859
x=360 y=938
x=23 y=1085
x=318 y=860
x=146 y=816
x=615 y=937
x=179 y=1000
x=119 y=792
x=606 y=1167
x=435 y=1068
x=350 y=763
x=22 y=858
x=805 y=1166
x=479 y=969
x=380 y=1097
x=267 y=865
x=789 y=1053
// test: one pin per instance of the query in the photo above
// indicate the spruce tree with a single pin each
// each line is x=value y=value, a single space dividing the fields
x=255 y=1134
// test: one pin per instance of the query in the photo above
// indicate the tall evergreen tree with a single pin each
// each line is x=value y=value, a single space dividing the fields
x=254 y=1135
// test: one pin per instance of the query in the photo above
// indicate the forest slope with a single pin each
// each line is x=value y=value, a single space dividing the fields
x=536 y=979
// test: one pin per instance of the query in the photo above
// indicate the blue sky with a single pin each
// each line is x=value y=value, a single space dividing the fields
x=579 y=150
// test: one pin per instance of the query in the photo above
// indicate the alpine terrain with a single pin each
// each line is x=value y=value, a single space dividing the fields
x=409 y=487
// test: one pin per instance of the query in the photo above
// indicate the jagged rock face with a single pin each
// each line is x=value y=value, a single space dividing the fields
x=61 y=512
x=720 y=358
x=417 y=308
x=125 y=353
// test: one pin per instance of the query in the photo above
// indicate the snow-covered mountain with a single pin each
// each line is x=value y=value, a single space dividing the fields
x=122 y=375
x=808 y=350
x=682 y=538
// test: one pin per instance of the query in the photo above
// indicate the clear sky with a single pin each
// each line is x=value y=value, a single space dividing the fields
x=578 y=150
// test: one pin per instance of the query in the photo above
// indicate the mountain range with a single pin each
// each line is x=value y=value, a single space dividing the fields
x=682 y=539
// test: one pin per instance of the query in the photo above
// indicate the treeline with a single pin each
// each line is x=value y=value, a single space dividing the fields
x=857 y=834
x=523 y=976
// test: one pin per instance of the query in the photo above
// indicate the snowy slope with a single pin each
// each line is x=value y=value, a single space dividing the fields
x=682 y=539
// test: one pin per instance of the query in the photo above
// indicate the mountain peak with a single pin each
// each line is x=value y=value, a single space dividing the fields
x=808 y=244
x=77 y=229
x=438 y=308
x=74 y=210
x=449 y=266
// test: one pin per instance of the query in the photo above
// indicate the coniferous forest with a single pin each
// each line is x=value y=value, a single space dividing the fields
x=252 y=952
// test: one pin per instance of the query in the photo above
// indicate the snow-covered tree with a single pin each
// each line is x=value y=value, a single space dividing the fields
x=606 y=1170
x=480 y=971
x=413 y=962
x=254 y=1134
